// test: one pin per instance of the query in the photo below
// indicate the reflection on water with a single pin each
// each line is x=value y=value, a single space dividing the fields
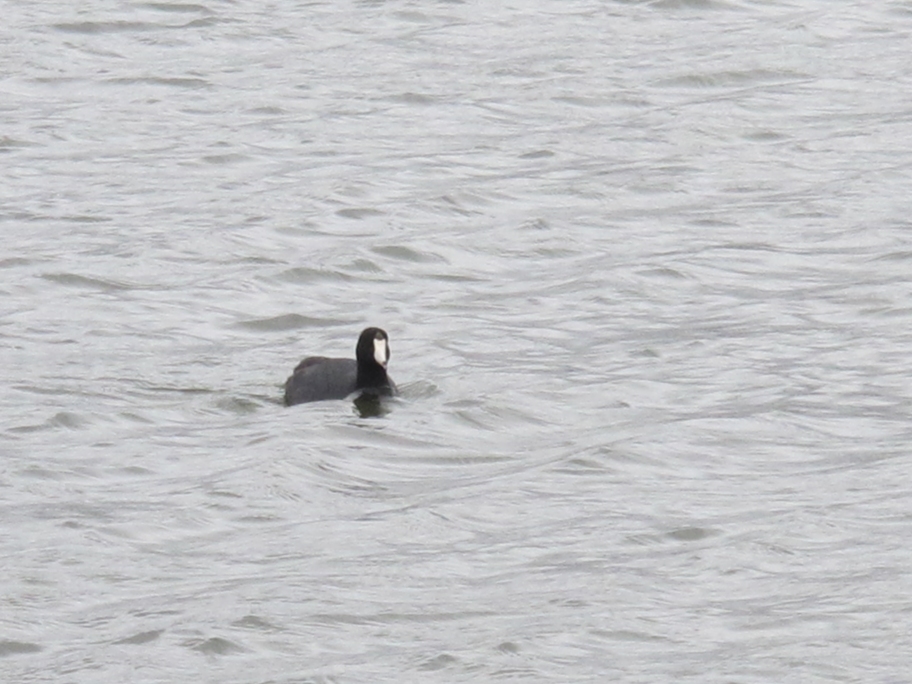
x=371 y=405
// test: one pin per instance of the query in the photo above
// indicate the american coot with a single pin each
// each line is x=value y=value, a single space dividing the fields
x=317 y=378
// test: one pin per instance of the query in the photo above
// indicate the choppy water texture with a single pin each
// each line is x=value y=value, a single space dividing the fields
x=645 y=267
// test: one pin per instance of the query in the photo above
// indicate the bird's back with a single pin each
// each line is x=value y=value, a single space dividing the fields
x=318 y=378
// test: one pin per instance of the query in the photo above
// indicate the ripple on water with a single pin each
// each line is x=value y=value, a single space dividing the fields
x=80 y=281
x=13 y=648
x=290 y=321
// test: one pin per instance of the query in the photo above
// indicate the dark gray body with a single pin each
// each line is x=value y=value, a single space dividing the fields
x=318 y=378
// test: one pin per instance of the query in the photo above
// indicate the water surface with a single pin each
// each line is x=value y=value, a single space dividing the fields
x=645 y=271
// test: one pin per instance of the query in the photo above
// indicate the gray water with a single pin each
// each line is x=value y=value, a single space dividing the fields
x=645 y=267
